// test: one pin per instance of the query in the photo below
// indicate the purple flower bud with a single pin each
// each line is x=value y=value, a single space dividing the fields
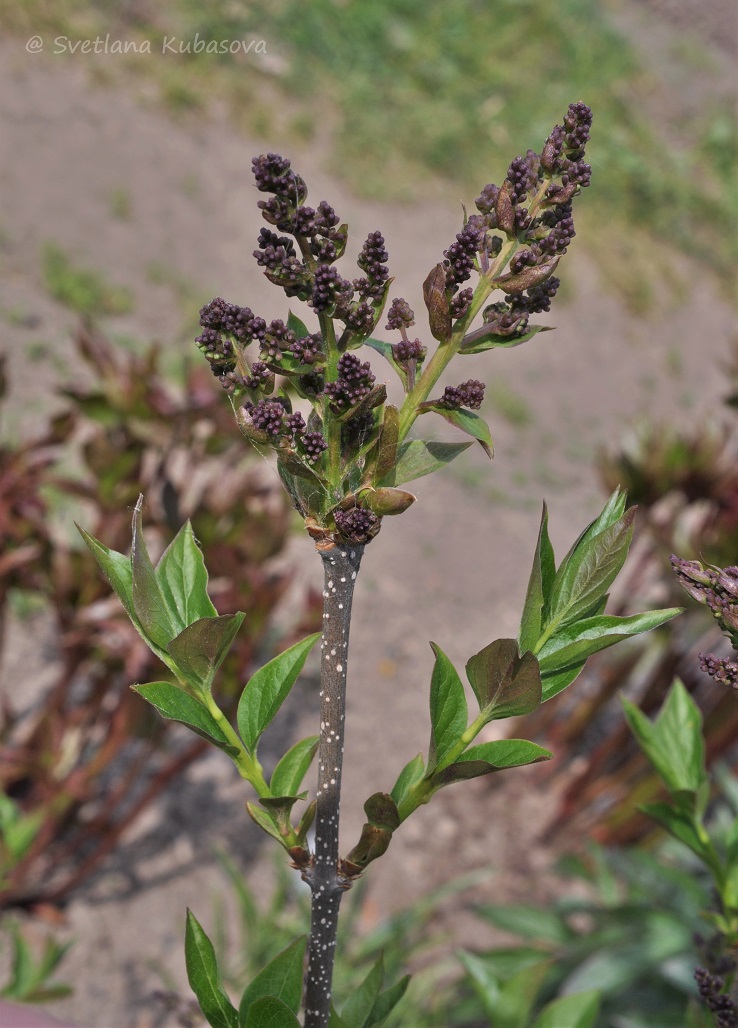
x=357 y=525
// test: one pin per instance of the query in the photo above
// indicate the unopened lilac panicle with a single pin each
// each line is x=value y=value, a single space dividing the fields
x=468 y=394
x=461 y=255
x=512 y=241
x=400 y=315
x=409 y=350
x=718 y=589
x=724 y=671
x=461 y=303
x=724 y=1009
x=329 y=288
x=353 y=383
x=357 y=525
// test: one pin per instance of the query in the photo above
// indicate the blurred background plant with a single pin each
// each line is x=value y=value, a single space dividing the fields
x=77 y=765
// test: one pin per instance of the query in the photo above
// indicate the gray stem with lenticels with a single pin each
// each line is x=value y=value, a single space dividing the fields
x=341 y=566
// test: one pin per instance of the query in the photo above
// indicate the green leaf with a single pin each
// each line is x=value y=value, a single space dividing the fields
x=183 y=580
x=448 y=709
x=288 y=774
x=173 y=703
x=117 y=569
x=504 y=683
x=298 y=327
x=386 y=1002
x=579 y=1010
x=419 y=458
x=358 y=1007
x=530 y=922
x=410 y=775
x=382 y=820
x=679 y=824
x=572 y=644
x=265 y=822
x=152 y=610
x=281 y=978
x=470 y=423
x=588 y=571
x=674 y=742
x=270 y=1012
x=554 y=683
x=507 y=1003
x=480 y=340
x=385 y=349
x=540 y=583
x=268 y=688
x=204 y=977
x=201 y=648
x=489 y=757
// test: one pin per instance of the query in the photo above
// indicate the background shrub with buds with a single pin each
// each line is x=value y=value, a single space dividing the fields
x=344 y=452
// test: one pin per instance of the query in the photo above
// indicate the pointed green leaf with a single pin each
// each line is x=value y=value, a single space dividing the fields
x=579 y=1010
x=204 y=977
x=504 y=683
x=386 y=1002
x=471 y=423
x=334 y=1021
x=489 y=757
x=265 y=822
x=674 y=742
x=177 y=705
x=589 y=570
x=117 y=569
x=573 y=643
x=270 y=1012
x=268 y=688
x=555 y=682
x=288 y=774
x=376 y=835
x=541 y=580
x=281 y=978
x=202 y=647
x=149 y=603
x=410 y=775
x=294 y=324
x=447 y=709
x=678 y=823
x=183 y=579
x=358 y=1007
x=419 y=458
x=480 y=339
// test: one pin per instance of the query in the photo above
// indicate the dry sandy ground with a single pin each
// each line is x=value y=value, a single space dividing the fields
x=453 y=569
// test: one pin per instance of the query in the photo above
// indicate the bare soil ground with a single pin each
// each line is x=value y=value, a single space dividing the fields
x=453 y=569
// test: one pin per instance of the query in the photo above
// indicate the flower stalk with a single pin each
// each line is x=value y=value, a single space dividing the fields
x=341 y=567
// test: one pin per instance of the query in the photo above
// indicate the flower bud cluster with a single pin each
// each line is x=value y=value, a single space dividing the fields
x=716 y=588
x=354 y=381
x=343 y=447
x=272 y=417
x=532 y=207
x=721 y=1005
x=724 y=671
x=468 y=394
x=356 y=525
x=400 y=316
